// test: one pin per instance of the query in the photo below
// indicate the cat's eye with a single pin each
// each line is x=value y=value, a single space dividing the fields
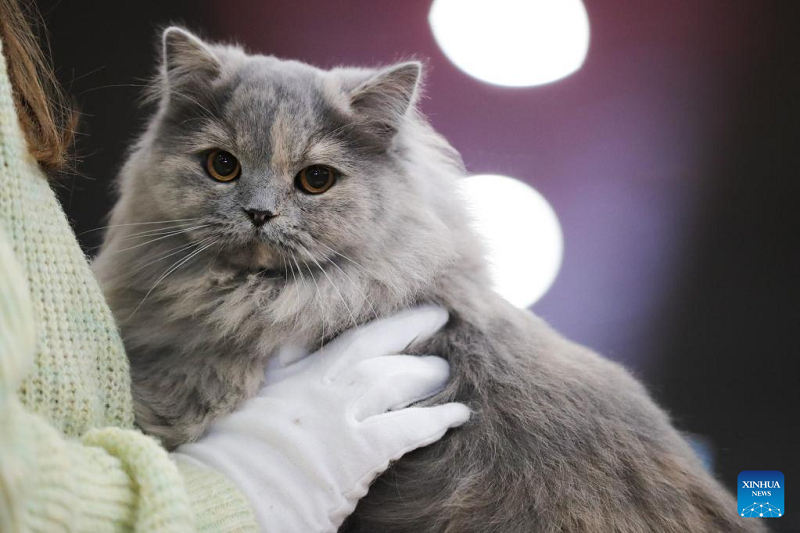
x=222 y=165
x=316 y=179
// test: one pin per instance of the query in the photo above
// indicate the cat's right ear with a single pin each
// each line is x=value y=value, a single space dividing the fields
x=382 y=101
x=186 y=58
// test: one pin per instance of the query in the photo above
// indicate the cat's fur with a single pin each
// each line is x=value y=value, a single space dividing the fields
x=560 y=439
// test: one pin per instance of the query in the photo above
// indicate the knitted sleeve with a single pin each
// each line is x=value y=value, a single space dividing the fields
x=112 y=479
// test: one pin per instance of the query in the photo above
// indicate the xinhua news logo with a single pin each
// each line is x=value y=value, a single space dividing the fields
x=761 y=494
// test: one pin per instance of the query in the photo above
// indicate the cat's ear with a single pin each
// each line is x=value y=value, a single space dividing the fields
x=382 y=101
x=186 y=58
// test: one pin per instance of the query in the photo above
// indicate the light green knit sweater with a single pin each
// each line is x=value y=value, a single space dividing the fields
x=70 y=459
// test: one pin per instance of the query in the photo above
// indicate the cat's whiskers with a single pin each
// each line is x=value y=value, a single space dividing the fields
x=157 y=232
x=261 y=272
x=111 y=86
x=296 y=290
x=316 y=299
x=169 y=253
x=171 y=234
x=287 y=265
x=356 y=285
x=137 y=224
x=364 y=269
x=216 y=255
x=341 y=296
x=175 y=266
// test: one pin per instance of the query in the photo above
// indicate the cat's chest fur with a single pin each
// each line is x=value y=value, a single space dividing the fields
x=198 y=346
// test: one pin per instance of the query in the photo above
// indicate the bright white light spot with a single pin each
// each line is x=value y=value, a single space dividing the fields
x=512 y=42
x=523 y=237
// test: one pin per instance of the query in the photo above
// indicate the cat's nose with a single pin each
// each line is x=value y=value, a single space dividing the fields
x=259 y=216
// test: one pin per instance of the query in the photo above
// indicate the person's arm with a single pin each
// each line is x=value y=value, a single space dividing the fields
x=111 y=479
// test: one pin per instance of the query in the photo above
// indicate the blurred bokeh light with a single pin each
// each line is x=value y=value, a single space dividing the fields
x=512 y=42
x=521 y=233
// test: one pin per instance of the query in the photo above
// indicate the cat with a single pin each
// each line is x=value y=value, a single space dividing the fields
x=271 y=203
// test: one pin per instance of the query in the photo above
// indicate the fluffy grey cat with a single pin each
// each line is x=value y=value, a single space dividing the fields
x=269 y=202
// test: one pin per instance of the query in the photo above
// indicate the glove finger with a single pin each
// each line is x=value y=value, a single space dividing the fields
x=395 y=381
x=399 y=432
x=385 y=336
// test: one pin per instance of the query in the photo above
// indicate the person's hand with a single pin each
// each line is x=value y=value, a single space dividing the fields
x=321 y=429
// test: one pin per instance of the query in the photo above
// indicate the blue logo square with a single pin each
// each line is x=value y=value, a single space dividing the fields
x=760 y=494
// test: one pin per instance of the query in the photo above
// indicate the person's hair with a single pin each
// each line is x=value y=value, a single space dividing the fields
x=47 y=118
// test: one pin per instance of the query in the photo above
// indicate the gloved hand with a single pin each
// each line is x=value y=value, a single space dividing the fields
x=306 y=449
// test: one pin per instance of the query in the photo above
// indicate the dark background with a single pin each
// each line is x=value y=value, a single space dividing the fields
x=670 y=158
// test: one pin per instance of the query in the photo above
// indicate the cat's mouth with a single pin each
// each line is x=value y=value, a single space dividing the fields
x=264 y=259
x=271 y=256
x=254 y=256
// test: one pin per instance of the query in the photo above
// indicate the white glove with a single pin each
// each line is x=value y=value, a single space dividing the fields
x=306 y=449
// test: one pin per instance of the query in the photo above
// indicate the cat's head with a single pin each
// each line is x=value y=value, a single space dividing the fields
x=277 y=161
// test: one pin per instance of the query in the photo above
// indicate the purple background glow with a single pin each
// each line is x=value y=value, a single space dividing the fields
x=614 y=147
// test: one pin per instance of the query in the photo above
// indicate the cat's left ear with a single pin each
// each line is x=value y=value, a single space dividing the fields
x=381 y=102
x=186 y=58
